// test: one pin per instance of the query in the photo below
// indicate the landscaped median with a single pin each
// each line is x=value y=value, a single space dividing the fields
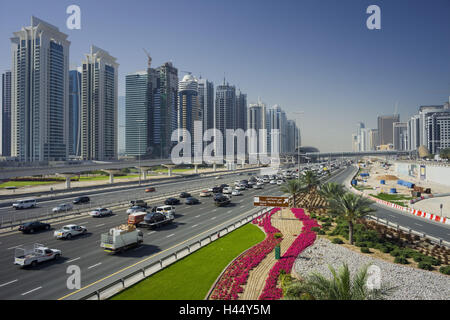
x=192 y=277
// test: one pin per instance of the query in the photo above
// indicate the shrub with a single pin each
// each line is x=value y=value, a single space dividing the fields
x=401 y=260
x=337 y=241
x=365 y=250
x=277 y=235
x=445 y=270
x=425 y=265
x=384 y=249
x=321 y=232
x=361 y=244
x=396 y=252
x=418 y=258
x=315 y=229
x=326 y=224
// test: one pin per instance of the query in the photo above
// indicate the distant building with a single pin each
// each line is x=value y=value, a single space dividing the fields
x=74 y=125
x=277 y=130
x=241 y=110
x=385 y=128
x=225 y=108
x=40 y=92
x=292 y=136
x=437 y=127
x=256 y=120
x=413 y=133
x=6 y=114
x=99 y=99
x=400 y=136
x=206 y=102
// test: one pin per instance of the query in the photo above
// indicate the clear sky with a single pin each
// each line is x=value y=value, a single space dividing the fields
x=315 y=56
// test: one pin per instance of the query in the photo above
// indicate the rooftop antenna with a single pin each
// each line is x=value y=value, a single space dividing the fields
x=149 y=59
x=396 y=108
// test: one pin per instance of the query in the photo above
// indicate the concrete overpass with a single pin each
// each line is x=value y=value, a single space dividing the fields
x=313 y=156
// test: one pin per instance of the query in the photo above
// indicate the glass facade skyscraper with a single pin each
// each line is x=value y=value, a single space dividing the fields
x=74 y=112
x=6 y=114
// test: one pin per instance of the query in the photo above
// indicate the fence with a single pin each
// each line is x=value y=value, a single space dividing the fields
x=134 y=276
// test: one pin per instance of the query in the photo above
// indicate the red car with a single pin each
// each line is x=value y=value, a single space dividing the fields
x=151 y=189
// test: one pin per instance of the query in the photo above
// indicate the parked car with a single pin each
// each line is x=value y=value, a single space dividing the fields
x=150 y=189
x=172 y=201
x=185 y=195
x=62 y=208
x=81 y=200
x=192 y=200
x=69 y=231
x=236 y=192
x=279 y=182
x=205 y=193
x=31 y=227
x=100 y=212
x=24 y=204
x=134 y=209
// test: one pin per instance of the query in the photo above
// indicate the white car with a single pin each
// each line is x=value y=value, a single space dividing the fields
x=218 y=177
x=266 y=180
x=206 y=193
x=167 y=210
x=227 y=190
x=260 y=183
x=134 y=209
x=236 y=192
x=24 y=204
x=69 y=231
x=240 y=187
x=279 y=182
x=273 y=182
x=100 y=212
x=62 y=207
x=257 y=186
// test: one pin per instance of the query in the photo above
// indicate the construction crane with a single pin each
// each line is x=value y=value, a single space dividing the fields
x=149 y=59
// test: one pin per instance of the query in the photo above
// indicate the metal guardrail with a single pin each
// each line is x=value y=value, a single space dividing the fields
x=15 y=221
x=135 y=276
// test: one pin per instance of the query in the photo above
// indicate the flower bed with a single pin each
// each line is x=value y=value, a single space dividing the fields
x=304 y=240
x=235 y=276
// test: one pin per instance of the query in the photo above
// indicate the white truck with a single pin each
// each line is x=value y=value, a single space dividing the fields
x=121 y=238
x=31 y=256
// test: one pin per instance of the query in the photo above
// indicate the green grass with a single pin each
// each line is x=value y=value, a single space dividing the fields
x=174 y=170
x=95 y=178
x=391 y=197
x=19 y=184
x=192 y=277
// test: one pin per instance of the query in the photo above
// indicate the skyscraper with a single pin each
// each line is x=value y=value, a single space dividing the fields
x=413 y=133
x=385 y=126
x=168 y=103
x=225 y=109
x=400 y=138
x=189 y=109
x=277 y=121
x=40 y=91
x=206 y=101
x=74 y=112
x=99 y=106
x=257 y=120
x=292 y=136
x=6 y=114
x=241 y=110
x=137 y=113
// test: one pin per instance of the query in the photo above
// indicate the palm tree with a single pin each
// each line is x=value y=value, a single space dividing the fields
x=340 y=287
x=310 y=180
x=331 y=189
x=350 y=207
x=293 y=187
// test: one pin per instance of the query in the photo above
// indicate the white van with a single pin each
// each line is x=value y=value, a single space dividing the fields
x=24 y=204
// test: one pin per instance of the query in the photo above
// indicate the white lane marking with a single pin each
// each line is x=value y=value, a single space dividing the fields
x=73 y=260
x=86 y=222
x=5 y=284
x=170 y=235
x=151 y=232
x=195 y=225
x=214 y=210
x=421 y=225
x=213 y=218
x=241 y=206
x=95 y=265
x=31 y=291
x=229 y=211
x=197 y=216
x=100 y=225
x=14 y=247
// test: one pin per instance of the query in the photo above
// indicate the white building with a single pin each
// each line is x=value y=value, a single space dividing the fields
x=39 y=93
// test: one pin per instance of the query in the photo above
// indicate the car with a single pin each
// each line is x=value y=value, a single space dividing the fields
x=31 y=227
x=81 y=200
x=222 y=201
x=69 y=231
x=154 y=217
x=236 y=192
x=171 y=201
x=134 y=209
x=273 y=181
x=150 y=189
x=266 y=180
x=205 y=193
x=279 y=182
x=237 y=182
x=227 y=190
x=140 y=203
x=192 y=200
x=217 y=190
x=218 y=177
x=240 y=187
x=185 y=195
x=257 y=186
x=62 y=208
x=251 y=183
x=24 y=204
x=260 y=183
x=100 y=212
x=166 y=210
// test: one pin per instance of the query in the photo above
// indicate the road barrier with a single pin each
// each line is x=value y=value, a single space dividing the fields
x=132 y=277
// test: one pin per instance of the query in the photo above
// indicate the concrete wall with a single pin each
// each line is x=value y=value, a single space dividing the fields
x=431 y=173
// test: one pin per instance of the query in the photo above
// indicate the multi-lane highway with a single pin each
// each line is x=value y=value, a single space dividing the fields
x=48 y=280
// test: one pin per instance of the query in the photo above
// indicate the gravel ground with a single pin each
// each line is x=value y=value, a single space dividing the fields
x=411 y=283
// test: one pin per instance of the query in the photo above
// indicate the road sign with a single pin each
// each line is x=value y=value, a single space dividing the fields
x=264 y=201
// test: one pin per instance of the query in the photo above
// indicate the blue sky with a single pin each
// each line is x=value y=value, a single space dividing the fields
x=315 y=56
